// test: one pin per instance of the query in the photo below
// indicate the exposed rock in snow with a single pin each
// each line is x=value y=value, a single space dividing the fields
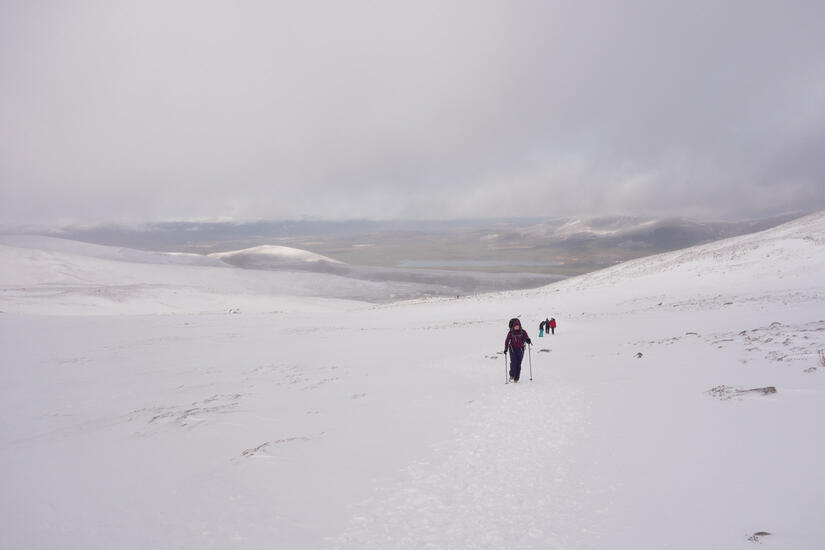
x=726 y=392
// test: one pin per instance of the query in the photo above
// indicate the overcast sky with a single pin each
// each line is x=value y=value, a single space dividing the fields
x=168 y=110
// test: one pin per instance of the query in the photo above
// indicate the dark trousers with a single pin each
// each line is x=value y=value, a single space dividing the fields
x=516 y=355
x=553 y=329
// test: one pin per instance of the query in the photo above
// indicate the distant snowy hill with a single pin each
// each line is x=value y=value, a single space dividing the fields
x=632 y=233
x=270 y=256
x=151 y=402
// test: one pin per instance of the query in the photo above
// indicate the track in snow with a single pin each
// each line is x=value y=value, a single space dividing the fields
x=504 y=481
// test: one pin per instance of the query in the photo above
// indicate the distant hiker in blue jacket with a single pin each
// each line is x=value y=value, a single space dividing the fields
x=516 y=339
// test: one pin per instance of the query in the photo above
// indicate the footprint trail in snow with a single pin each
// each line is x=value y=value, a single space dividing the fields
x=503 y=482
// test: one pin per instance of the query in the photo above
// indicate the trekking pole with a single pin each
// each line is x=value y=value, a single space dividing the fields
x=506 y=370
x=530 y=356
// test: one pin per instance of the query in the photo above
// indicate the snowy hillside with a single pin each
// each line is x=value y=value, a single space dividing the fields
x=42 y=275
x=107 y=279
x=161 y=405
x=111 y=253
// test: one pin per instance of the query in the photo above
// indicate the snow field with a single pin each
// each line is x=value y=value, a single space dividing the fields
x=303 y=422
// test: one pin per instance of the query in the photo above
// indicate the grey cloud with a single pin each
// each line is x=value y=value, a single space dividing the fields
x=162 y=110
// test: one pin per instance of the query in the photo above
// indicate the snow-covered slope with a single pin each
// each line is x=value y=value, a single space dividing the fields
x=794 y=246
x=361 y=426
x=785 y=264
x=48 y=275
x=106 y=279
x=42 y=281
x=64 y=246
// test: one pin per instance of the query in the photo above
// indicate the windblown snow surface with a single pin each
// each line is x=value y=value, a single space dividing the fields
x=152 y=404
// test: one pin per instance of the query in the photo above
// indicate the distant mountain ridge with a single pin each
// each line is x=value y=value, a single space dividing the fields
x=556 y=246
x=656 y=232
x=76 y=269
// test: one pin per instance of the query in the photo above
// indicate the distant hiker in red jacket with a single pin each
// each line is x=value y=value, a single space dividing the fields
x=516 y=339
x=552 y=324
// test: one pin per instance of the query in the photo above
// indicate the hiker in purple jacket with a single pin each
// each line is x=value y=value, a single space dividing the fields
x=516 y=339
